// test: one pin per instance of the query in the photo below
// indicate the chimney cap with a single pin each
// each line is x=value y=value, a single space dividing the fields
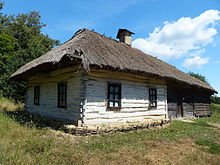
x=123 y=30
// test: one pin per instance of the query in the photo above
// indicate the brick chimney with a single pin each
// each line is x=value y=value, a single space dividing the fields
x=124 y=35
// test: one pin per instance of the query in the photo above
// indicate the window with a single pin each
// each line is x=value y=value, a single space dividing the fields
x=62 y=89
x=114 y=96
x=37 y=95
x=153 y=97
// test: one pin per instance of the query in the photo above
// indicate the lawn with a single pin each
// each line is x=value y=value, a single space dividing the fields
x=181 y=142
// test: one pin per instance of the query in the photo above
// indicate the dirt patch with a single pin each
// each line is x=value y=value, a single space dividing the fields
x=181 y=152
x=214 y=124
x=112 y=128
x=63 y=136
x=188 y=121
x=156 y=152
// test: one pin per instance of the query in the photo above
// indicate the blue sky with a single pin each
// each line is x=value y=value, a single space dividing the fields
x=184 y=33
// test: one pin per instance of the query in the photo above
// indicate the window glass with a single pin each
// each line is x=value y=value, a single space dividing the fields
x=111 y=104
x=37 y=95
x=116 y=103
x=111 y=89
x=62 y=94
x=114 y=96
x=153 y=97
x=116 y=89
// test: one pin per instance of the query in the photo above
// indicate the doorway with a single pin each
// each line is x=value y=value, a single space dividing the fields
x=179 y=112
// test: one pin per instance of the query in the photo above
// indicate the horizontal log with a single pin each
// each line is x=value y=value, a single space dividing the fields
x=113 y=114
x=126 y=76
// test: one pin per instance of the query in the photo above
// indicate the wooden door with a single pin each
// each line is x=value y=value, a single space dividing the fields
x=179 y=108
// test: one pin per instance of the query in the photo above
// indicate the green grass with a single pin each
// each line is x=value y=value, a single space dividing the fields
x=195 y=142
x=213 y=147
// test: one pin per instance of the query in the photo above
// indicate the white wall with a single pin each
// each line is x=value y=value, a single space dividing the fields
x=48 y=96
x=135 y=104
x=87 y=94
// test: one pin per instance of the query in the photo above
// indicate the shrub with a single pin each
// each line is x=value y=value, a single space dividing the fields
x=216 y=108
x=10 y=105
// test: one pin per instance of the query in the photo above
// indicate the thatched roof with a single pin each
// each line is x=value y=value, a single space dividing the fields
x=94 y=50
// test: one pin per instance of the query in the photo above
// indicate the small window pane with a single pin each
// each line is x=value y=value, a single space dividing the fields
x=62 y=95
x=116 y=104
x=116 y=96
x=111 y=103
x=116 y=89
x=153 y=97
x=36 y=95
x=111 y=96
x=153 y=104
x=111 y=89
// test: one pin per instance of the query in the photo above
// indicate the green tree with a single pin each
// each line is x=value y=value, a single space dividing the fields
x=215 y=99
x=7 y=48
x=199 y=76
x=21 y=41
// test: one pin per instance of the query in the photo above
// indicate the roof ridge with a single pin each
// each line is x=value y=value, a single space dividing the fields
x=101 y=35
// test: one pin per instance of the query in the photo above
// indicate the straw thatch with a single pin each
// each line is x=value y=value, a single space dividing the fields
x=94 y=50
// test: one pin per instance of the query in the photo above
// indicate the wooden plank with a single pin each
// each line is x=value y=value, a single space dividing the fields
x=48 y=97
x=125 y=76
x=118 y=114
x=134 y=101
x=122 y=120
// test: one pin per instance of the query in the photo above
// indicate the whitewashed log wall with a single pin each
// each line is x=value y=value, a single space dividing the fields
x=134 y=103
x=48 y=95
x=87 y=97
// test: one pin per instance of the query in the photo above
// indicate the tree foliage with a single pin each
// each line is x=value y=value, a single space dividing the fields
x=215 y=99
x=21 y=40
x=199 y=76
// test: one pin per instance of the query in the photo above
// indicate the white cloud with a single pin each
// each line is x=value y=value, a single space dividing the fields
x=195 y=62
x=183 y=38
x=197 y=52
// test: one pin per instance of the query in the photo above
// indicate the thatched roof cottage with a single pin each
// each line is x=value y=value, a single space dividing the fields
x=92 y=79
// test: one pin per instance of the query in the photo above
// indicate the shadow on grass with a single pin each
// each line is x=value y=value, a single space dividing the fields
x=34 y=120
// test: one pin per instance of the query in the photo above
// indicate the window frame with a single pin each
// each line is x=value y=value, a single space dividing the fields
x=37 y=95
x=152 y=97
x=114 y=85
x=62 y=95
